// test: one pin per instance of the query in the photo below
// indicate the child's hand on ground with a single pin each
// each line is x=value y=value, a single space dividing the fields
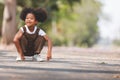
x=22 y=57
x=49 y=57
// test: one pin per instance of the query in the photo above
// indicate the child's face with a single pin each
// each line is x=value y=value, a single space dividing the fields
x=30 y=20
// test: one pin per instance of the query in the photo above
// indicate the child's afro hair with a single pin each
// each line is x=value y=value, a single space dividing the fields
x=40 y=14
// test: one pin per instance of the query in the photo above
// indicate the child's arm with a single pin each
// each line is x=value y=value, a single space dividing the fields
x=49 y=53
x=16 y=41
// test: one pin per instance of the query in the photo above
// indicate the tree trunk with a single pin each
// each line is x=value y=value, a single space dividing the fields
x=9 y=22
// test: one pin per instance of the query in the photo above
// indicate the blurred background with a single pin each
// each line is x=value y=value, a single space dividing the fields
x=82 y=23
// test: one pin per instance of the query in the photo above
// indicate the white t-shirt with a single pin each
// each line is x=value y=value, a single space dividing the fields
x=41 y=32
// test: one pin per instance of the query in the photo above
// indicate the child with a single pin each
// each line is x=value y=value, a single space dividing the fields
x=29 y=40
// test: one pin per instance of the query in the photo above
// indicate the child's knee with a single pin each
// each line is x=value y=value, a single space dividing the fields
x=15 y=40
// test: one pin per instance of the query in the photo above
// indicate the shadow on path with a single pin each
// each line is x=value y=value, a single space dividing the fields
x=60 y=69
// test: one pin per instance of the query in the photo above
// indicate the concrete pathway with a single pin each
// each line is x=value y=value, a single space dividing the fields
x=67 y=64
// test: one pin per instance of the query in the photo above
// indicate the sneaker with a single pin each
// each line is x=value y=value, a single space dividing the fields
x=38 y=58
x=18 y=58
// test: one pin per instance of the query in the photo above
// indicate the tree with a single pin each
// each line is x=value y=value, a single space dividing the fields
x=9 y=21
x=79 y=26
x=65 y=17
x=1 y=15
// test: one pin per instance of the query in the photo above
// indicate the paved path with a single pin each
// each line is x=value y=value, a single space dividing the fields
x=67 y=64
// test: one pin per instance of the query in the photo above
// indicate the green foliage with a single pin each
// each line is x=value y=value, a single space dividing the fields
x=69 y=23
x=116 y=42
x=24 y=3
x=79 y=25
x=1 y=15
x=58 y=40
